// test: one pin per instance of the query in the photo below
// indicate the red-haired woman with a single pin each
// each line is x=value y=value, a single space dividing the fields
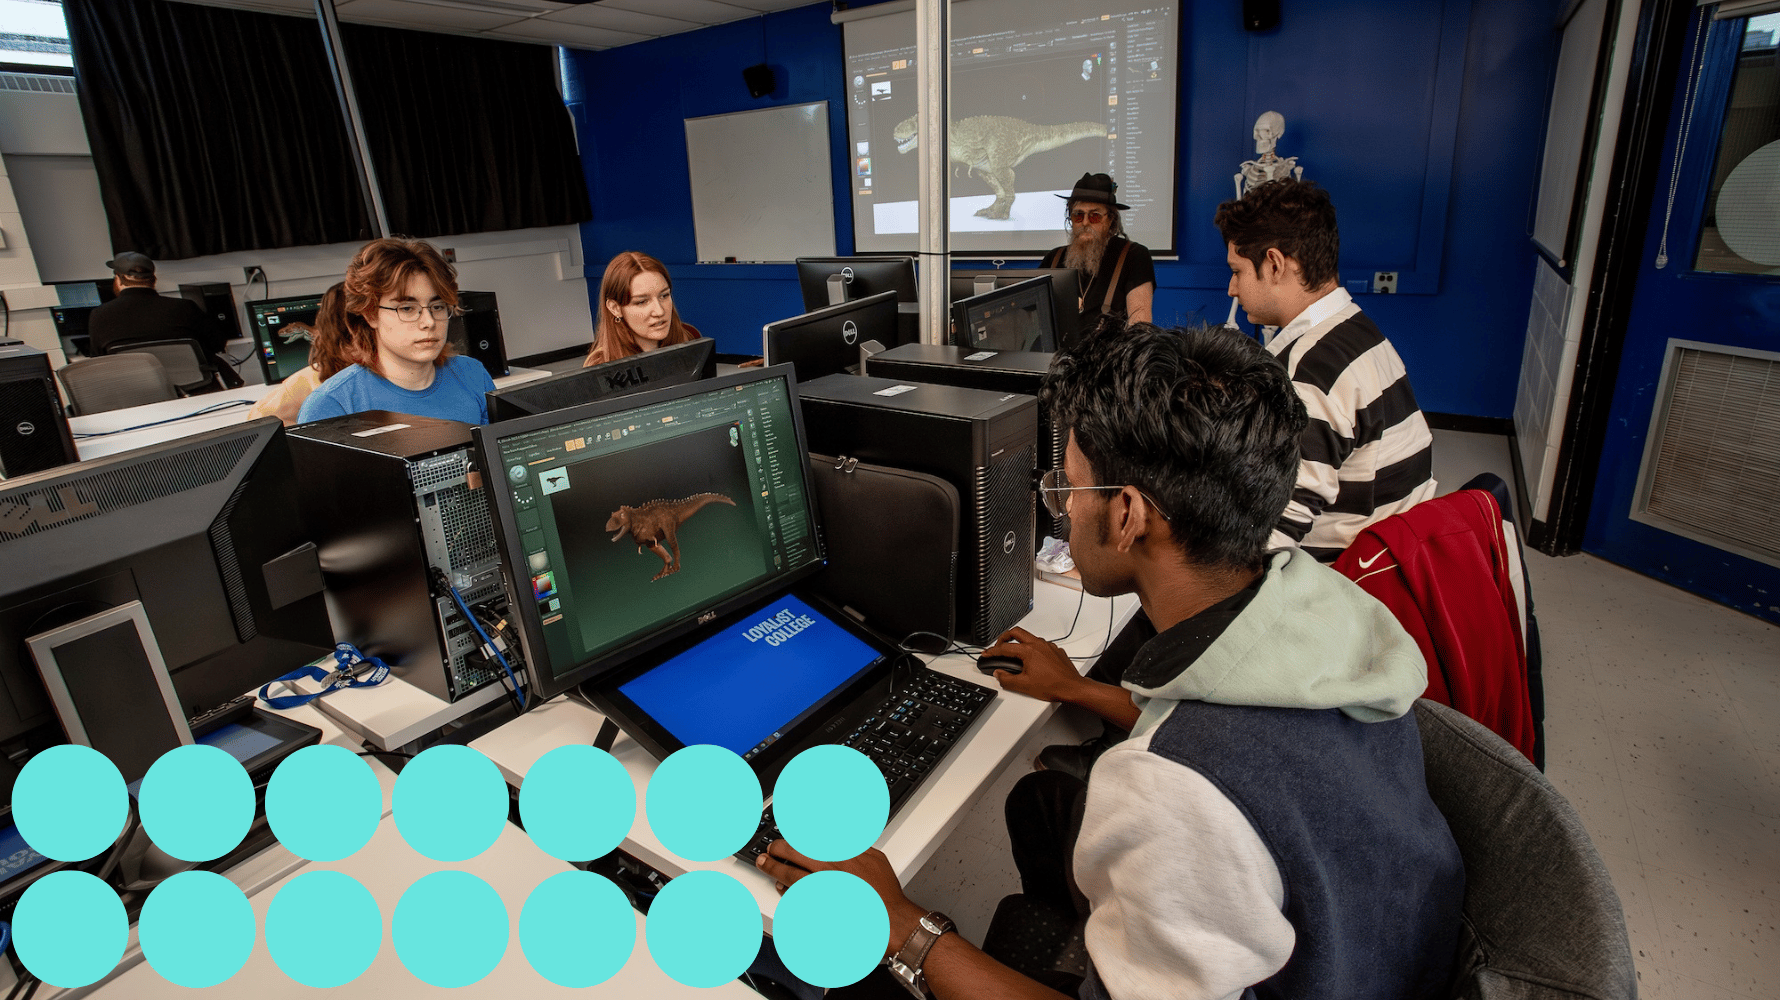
x=400 y=296
x=637 y=311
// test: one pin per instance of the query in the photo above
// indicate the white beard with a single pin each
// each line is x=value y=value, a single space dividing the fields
x=1085 y=254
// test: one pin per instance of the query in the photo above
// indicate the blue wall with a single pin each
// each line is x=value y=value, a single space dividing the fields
x=1423 y=120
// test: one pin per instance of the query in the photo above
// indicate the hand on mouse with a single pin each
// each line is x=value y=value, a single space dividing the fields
x=1049 y=673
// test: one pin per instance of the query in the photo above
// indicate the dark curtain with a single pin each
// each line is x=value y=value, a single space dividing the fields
x=212 y=130
x=467 y=135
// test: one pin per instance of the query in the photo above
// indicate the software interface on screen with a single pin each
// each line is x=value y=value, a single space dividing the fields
x=1042 y=91
x=632 y=521
x=282 y=332
x=1018 y=319
x=714 y=692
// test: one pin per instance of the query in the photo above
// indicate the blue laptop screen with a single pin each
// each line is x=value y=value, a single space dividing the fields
x=747 y=685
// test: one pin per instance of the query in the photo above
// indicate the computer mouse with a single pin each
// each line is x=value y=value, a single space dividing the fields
x=990 y=664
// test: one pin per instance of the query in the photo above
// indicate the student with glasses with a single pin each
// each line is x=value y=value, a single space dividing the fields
x=400 y=295
x=1118 y=276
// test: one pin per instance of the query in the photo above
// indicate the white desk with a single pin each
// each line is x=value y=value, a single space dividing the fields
x=924 y=822
x=152 y=413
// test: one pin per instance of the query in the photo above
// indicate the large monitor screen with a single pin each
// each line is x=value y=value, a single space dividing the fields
x=282 y=332
x=626 y=524
x=1042 y=91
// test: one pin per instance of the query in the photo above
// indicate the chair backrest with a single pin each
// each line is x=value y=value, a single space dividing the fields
x=116 y=381
x=185 y=360
x=1542 y=920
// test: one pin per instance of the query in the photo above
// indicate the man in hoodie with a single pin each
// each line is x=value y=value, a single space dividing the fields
x=1267 y=824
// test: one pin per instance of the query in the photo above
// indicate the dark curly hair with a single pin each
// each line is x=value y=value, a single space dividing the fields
x=1295 y=216
x=1203 y=420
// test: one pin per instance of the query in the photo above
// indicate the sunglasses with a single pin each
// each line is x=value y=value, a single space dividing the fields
x=1082 y=215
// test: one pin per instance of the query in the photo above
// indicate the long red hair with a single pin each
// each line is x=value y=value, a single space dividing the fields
x=380 y=267
x=613 y=338
x=329 y=350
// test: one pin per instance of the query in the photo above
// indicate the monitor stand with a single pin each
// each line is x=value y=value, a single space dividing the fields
x=837 y=289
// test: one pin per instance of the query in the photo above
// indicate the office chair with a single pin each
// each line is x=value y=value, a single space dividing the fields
x=188 y=365
x=114 y=382
x=1541 y=918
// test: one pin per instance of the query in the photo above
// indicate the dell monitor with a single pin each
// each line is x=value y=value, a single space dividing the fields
x=282 y=332
x=629 y=522
x=826 y=341
x=1066 y=293
x=1015 y=318
x=828 y=281
x=202 y=535
x=657 y=369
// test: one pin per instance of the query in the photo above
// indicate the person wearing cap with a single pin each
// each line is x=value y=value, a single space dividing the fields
x=141 y=313
x=1118 y=276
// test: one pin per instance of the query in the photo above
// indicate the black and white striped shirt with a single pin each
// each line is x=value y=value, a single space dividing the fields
x=1367 y=453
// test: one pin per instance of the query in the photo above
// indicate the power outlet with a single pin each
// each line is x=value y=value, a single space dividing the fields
x=450 y=255
x=1384 y=282
x=251 y=272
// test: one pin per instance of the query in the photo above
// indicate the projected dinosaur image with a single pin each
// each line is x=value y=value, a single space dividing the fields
x=656 y=524
x=993 y=145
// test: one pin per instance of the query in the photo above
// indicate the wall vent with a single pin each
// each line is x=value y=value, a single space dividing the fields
x=36 y=83
x=1711 y=468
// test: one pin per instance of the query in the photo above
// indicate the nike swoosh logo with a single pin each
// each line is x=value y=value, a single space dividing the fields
x=1367 y=563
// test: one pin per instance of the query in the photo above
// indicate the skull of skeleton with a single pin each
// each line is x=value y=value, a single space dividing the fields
x=1268 y=128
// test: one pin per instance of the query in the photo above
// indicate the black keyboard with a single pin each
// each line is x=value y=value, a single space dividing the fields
x=911 y=731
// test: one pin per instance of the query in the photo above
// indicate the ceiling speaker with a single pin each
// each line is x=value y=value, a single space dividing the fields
x=1260 y=15
x=760 y=80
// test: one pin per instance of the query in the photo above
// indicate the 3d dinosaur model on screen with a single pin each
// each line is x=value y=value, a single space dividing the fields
x=656 y=524
x=993 y=145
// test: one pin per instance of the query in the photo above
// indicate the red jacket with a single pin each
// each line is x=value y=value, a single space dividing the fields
x=1442 y=568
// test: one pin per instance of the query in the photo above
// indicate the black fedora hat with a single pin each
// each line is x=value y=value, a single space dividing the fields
x=1097 y=188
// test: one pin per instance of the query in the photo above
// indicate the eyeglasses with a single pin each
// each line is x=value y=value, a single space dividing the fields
x=1053 y=484
x=1083 y=215
x=410 y=311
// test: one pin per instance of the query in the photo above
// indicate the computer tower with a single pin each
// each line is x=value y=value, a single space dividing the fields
x=389 y=497
x=217 y=300
x=33 y=432
x=477 y=333
x=1000 y=371
x=982 y=442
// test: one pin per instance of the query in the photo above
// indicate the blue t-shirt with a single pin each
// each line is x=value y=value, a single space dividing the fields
x=456 y=394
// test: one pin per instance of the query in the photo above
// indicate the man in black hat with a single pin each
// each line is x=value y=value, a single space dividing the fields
x=1118 y=276
x=141 y=313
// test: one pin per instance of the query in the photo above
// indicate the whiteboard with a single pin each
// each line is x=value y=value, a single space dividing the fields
x=1574 y=105
x=762 y=184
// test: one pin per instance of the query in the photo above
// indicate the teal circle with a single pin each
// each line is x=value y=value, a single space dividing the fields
x=831 y=929
x=450 y=803
x=196 y=802
x=577 y=803
x=196 y=929
x=703 y=803
x=577 y=929
x=323 y=929
x=703 y=929
x=450 y=929
x=831 y=803
x=323 y=803
x=69 y=802
x=69 y=929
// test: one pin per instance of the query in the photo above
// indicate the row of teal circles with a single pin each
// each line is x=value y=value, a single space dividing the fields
x=449 y=804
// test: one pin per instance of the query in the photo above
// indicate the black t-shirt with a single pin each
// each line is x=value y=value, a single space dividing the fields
x=145 y=314
x=1139 y=269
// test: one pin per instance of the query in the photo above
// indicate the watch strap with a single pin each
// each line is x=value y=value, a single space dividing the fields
x=907 y=963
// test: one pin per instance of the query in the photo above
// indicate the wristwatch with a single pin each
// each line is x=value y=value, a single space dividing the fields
x=905 y=965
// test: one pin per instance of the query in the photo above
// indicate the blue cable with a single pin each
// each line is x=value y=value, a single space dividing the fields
x=464 y=609
x=212 y=408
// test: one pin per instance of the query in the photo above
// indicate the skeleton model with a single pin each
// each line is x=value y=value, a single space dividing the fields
x=1266 y=166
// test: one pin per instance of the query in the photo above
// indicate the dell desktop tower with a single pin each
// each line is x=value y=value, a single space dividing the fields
x=981 y=442
x=389 y=498
x=34 y=434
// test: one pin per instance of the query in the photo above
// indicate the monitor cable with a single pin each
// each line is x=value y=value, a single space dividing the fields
x=489 y=648
x=226 y=404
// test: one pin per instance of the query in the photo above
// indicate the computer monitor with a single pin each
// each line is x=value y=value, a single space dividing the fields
x=203 y=532
x=828 y=281
x=283 y=347
x=826 y=341
x=1015 y=318
x=657 y=369
x=629 y=522
x=1066 y=292
x=86 y=292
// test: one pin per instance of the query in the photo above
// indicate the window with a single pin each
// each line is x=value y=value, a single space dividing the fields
x=32 y=33
x=1741 y=230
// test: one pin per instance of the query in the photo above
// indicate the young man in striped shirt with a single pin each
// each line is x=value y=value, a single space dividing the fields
x=1367 y=453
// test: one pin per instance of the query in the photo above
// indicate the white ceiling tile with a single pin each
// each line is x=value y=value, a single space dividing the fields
x=698 y=11
x=599 y=15
x=412 y=14
x=572 y=35
x=769 y=5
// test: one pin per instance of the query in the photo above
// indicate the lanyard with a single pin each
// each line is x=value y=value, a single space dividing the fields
x=354 y=669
